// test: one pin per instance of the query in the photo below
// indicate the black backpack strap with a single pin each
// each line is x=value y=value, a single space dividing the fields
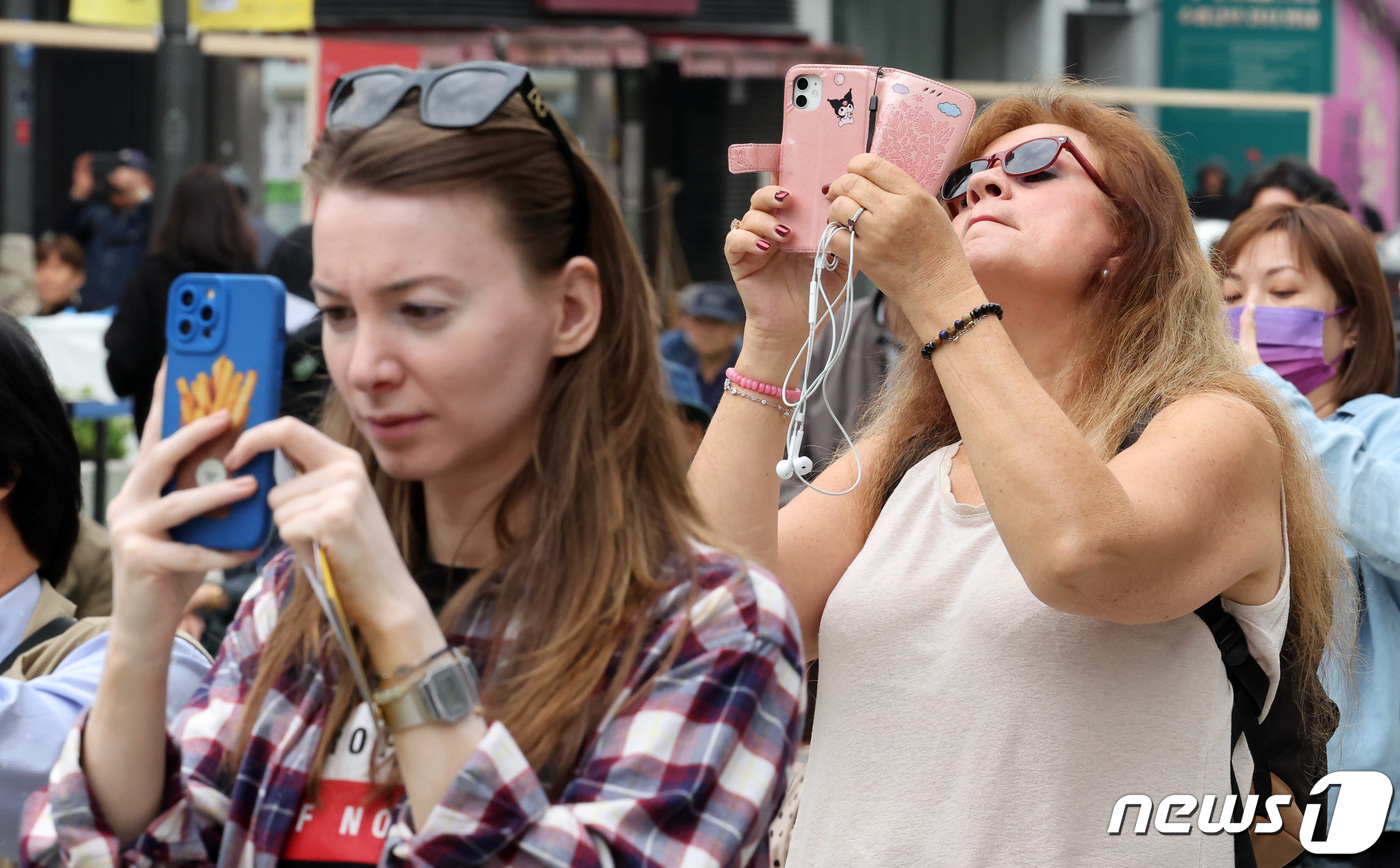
x=52 y=630
x=1140 y=424
x=1250 y=688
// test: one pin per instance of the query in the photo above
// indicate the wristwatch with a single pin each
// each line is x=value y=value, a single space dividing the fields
x=446 y=692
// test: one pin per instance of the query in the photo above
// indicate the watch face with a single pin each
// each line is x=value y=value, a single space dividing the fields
x=452 y=693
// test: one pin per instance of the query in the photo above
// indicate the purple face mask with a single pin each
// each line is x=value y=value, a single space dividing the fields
x=1290 y=342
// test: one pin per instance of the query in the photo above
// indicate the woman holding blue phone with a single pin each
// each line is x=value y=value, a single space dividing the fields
x=570 y=674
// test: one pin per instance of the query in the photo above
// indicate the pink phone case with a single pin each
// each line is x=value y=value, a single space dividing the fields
x=918 y=124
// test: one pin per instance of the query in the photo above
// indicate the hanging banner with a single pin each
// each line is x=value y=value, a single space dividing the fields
x=264 y=15
x=115 y=13
x=1339 y=154
x=1368 y=72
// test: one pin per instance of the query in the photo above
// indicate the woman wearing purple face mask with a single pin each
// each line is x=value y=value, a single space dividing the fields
x=1311 y=312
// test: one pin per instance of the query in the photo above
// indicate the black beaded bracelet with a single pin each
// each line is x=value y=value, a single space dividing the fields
x=960 y=326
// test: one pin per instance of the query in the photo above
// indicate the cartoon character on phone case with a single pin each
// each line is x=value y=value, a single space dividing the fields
x=914 y=122
x=845 y=108
x=224 y=337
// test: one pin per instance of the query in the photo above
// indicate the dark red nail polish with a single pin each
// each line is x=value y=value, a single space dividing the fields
x=825 y=188
x=781 y=230
x=763 y=245
x=780 y=195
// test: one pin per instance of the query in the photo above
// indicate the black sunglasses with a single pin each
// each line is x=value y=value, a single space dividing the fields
x=455 y=97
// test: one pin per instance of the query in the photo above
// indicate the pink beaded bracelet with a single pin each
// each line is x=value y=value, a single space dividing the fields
x=762 y=388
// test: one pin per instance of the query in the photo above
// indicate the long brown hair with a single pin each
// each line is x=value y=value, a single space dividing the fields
x=604 y=497
x=1157 y=336
x=206 y=224
x=1340 y=249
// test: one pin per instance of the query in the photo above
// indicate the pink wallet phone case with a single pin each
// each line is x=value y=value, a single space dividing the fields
x=914 y=122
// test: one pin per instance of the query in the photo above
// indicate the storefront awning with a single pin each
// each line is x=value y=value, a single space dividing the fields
x=577 y=47
x=722 y=57
x=459 y=48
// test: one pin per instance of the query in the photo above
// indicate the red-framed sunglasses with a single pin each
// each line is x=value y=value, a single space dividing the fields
x=1026 y=158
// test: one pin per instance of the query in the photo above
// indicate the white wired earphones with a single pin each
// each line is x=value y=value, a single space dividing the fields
x=797 y=464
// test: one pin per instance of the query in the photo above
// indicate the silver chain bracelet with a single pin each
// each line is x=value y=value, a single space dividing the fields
x=729 y=387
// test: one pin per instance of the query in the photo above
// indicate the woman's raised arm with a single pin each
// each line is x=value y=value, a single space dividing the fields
x=734 y=474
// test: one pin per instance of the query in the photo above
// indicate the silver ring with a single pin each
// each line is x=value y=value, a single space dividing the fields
x=851 y=223
x=733 y=224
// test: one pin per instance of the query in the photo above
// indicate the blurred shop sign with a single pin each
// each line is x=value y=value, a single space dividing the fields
x=262 y=15
x=1339 y=154
x=339 y=56
x=1252 y=45
x=1240 y=141
x=115 y=13
x=622 y=7
x=1368 y=72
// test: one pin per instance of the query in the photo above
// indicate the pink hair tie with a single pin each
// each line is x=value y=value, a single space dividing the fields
x=738 y=379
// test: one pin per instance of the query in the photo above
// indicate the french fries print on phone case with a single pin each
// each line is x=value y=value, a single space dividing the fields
x=228 y=389
x=222 y=388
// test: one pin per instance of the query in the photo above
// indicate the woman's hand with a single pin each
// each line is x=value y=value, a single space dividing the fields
x=1249 y=337
x=333 y=503
x=773 y=282
x=905 y=241
x=154 y=577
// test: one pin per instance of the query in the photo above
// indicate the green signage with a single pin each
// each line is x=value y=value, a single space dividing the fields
x=1243 y=140
x=1282 y=46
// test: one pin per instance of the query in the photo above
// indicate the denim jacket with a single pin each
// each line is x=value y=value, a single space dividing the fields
x=1359 y=447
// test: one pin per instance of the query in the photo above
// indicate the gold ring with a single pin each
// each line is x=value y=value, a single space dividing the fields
x=734 y=224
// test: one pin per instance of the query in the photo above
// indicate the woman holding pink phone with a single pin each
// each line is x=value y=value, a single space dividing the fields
x=569 y=672
x=1005 y=606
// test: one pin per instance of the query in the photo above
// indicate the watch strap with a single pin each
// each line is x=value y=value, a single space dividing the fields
x=446 y=693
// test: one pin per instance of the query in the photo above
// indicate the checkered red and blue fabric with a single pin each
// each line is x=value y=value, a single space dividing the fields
x=690 y=775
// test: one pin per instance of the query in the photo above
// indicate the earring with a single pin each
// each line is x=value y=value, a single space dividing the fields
x=1105 y=272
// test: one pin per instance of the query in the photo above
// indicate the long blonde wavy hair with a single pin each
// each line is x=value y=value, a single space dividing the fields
x=1158 y=335
x=604 y=495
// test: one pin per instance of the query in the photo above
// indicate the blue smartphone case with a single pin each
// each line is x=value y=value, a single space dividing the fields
x=224 y=338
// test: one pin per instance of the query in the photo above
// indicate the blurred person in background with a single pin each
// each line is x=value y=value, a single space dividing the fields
x=291 y=262
x=60 y=270
x=878 y=332
x=709 y=329
x=204 y=231
x=1374 y=222
x=1306 y=288
x=694 y=415
x=1290 y=182
x=50 y=665
x=266 y=237
x=87 y=583
x=1212 y=199
x=111 y=217
x=304 y=376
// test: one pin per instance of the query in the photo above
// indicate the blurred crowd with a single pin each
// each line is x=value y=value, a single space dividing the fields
x=109 y=256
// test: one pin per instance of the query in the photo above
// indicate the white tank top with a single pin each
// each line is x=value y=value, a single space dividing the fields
x=963 y=722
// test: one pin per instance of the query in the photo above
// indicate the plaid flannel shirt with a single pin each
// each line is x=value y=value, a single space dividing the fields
x=690 y=776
